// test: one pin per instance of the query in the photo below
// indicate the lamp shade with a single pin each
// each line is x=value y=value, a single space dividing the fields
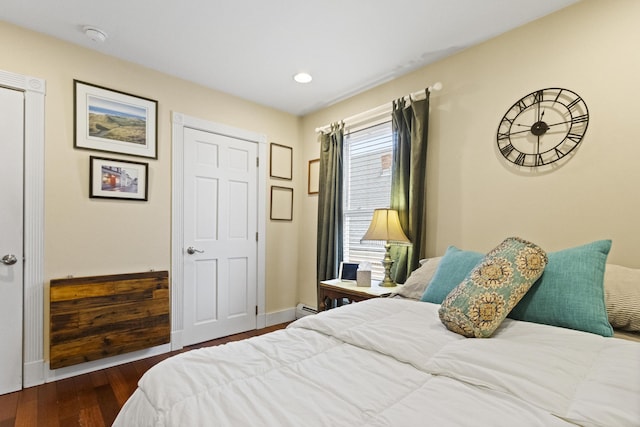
x=385 y=225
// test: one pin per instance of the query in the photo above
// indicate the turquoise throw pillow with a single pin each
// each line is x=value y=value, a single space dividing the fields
x=452 y=270
x=570 y=292
x=478 y=305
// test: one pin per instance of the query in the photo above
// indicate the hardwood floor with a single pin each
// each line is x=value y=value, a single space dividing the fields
x=90 y=400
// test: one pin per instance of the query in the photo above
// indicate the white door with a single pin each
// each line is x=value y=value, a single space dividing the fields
x=11 y=254
x=220 y=235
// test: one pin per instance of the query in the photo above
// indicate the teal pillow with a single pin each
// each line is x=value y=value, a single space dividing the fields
x=452 y=269
x=478 y=305
x=570 y=292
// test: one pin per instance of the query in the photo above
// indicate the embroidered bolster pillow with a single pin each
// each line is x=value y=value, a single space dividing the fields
x=477 y=306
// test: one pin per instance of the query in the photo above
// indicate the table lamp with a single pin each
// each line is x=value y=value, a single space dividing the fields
x=385 y=226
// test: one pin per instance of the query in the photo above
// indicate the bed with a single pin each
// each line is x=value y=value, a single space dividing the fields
x=393 y=362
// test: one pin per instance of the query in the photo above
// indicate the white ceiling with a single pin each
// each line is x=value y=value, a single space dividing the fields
x=252 y=48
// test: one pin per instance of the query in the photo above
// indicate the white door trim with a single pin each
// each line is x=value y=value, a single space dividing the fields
x=33 y=350
x=179 y=122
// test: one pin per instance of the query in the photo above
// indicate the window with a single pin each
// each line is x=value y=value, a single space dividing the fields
x=367 y=186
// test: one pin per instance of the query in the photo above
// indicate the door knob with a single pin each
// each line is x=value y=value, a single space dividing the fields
x=9 y=259
x=191 y=250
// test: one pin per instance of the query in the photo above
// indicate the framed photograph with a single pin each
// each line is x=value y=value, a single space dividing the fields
x=281 y=165
x=348 y=271
x=113 y=121
x=117 y=179
x=313 y=186
x=281 y=203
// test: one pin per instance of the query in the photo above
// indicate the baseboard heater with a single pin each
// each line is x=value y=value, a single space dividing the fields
x=304 y=310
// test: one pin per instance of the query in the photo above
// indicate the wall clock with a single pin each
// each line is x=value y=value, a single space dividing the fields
x=543 y=127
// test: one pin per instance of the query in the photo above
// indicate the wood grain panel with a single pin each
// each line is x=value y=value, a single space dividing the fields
x=102 y=316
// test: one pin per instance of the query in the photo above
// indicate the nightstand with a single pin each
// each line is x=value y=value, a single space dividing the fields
x=338 y=290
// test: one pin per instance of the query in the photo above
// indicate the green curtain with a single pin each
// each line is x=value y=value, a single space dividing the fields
x=410 y=124
x=329 y=249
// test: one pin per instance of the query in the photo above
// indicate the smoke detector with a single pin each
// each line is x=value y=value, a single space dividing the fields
x=95 y=34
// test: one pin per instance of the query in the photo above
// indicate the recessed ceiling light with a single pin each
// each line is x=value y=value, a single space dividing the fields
x=303 y=78
x=95 y=34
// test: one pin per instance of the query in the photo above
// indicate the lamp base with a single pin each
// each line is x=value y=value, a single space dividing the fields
x=387 y=283
x=387 y=262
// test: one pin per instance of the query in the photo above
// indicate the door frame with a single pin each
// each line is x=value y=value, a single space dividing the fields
x=33 y=278
x=179 y=122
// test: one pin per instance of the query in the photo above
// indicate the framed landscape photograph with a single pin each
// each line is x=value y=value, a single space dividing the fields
x=117 y=179
x=113 y=121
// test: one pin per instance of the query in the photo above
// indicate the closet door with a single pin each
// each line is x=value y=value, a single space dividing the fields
x=11 y=235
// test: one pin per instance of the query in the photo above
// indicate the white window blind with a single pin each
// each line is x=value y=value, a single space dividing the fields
x=367 y=186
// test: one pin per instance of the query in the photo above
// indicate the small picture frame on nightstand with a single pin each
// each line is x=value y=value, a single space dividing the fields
x=348 y=271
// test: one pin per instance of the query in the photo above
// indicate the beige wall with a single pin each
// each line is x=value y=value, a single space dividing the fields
x=475 y=198
x=92 y=237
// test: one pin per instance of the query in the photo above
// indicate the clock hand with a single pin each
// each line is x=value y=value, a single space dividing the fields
x=520 y=131
x=560 y=123
x=528 y=126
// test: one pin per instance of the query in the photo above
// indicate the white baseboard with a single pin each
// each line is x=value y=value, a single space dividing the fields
x=261 y=321
x=282 y=316
x=176 y=340
x=33 y=373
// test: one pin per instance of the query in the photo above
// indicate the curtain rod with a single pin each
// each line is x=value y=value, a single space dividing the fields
x=381 y=108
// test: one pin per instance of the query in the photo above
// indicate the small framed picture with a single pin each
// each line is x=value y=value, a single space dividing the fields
x=117 y=179
x=348 y=271
x=313 y=183
x=281 y=203
x=281 y=165
x=114 y=121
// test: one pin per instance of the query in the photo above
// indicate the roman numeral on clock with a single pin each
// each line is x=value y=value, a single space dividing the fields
x=502 y=136
x=522 y=105
x=558 y=96
x=580 y=119
x=573 y=103
x=506 y=150
x=574 y=137
x=537 y=96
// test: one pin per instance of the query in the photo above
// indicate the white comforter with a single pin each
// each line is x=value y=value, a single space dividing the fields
x=390 y=362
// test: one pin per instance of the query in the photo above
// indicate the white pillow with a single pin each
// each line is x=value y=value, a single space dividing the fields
x=622 y=297
x=419 y=279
